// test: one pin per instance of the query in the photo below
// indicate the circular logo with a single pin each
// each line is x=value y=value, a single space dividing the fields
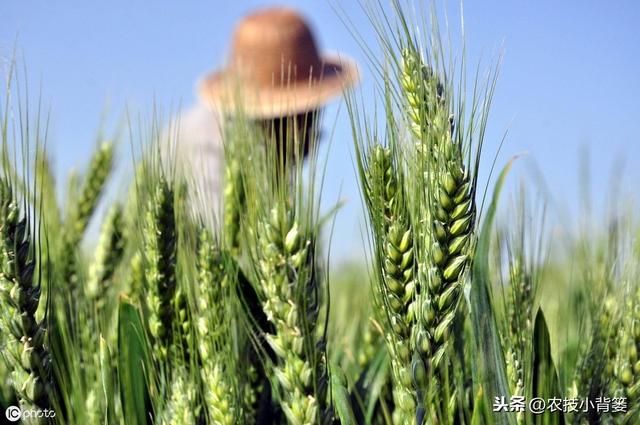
x=13 y=413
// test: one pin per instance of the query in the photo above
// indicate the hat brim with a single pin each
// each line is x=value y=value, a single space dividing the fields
x=228 y=92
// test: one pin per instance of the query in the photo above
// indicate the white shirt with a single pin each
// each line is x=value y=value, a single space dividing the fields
x=199 y=154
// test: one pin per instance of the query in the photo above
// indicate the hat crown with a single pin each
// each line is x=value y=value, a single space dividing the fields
x=274 y=47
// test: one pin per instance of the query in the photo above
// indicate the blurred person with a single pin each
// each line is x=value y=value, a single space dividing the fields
x=284 y=83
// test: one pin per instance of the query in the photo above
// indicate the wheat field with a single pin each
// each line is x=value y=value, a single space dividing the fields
x=459 y=314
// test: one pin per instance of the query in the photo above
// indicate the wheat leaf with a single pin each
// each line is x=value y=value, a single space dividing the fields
x=340 y=397
x=133 y=364
x=107 y=380
x=487 y=345
x=479 y=415
x=545 y=377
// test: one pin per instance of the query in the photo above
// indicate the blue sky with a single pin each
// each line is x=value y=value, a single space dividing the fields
x=568 y=81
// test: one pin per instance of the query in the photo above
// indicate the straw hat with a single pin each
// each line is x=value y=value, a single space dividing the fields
x=275 y=64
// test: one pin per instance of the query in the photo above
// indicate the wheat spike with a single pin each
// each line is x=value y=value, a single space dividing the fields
x=82 y=209
x=286 y=277
x=449 y=206
x=397 y=291
x=26 y=341
x=181 y=408
x=233 y=202
x=160 y=264
x=109 y=252
x=627 y=371
x=420 y=89
x=214 y=334
x=371 y=339
x=521 y=306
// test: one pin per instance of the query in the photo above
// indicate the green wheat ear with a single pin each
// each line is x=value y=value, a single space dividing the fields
x=93 y=186
x=160 y=248
x=234 y=201
x=397 y=289
x=286 y=277
x=449 y=207
x=368 y=347
x=215 y=334
x=422 y=91
x=108 y=255
x=181 y=408
x=520 y=325
x=627 y=371
x=81 y=210
x=595 y=374
x=26 y=342
x=521 y=307
x=452 y=234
